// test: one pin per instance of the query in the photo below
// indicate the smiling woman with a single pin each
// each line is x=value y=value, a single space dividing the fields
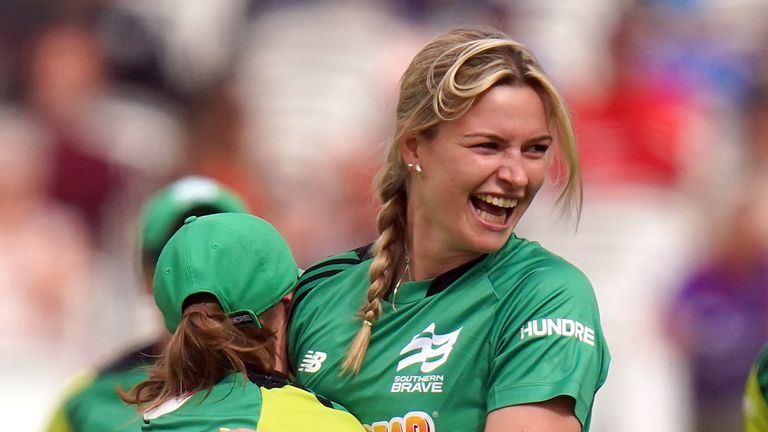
x=484 y=169
x=428 y=327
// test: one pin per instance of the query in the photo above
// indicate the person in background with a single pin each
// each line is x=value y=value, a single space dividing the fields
x=755 y=408
x=449 y=320
x=224 y=285
x=92 y=403
x=726 y=290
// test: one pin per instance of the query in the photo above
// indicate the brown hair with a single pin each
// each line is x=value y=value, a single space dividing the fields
x=204 y=349
x=441 y=84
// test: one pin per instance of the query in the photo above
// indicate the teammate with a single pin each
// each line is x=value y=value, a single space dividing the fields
x=756 y=395
x=223 y=285
x=93 y=403
x=449 y=321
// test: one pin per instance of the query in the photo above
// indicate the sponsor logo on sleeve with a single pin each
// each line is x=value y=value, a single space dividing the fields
x=558 y=327
x=429 y=350
x=414 y=421
x=312 y=361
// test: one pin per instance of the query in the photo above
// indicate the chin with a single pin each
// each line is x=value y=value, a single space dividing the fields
x=486 y=244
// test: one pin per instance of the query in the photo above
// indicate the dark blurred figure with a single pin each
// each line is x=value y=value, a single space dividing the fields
x=720 y=316
x=213 y=140
x=66 y=75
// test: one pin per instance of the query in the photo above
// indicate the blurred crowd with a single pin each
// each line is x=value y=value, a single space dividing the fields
x=289 y=102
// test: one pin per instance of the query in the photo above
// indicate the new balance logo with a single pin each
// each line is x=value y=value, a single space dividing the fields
x=431 y=350
x=312 y=361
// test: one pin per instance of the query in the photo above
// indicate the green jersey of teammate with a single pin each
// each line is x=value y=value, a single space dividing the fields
x=262 y=402
x=93 y=404
x=517 y=326
x=756 y=395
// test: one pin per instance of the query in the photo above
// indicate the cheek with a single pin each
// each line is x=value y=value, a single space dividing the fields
x=537 y=172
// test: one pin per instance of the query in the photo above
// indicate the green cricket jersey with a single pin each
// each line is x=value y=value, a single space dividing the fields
x=92 y=405
x=260 y=402
x=756 y=395
x=517 y=326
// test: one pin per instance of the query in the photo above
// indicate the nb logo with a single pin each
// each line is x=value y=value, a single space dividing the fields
x=431 y=350
x=312 y=361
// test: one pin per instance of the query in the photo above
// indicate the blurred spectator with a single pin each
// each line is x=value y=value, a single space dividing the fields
x=66 y=74
x=720 y=316
x=99 y=130
x=214 y=140
x=307 y=96
x=45 y=270
x=45 y=275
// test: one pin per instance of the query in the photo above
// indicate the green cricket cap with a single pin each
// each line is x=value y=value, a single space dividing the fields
x=238 y=258
x=168 y=207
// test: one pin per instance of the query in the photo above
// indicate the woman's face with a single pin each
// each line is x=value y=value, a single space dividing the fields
x=480 y=173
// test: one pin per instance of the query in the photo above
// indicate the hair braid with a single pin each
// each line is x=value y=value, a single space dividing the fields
x=391 y=225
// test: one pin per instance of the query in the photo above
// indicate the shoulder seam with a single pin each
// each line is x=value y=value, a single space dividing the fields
x=316 y=276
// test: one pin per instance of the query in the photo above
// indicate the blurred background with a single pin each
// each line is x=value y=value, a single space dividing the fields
x=290 y=103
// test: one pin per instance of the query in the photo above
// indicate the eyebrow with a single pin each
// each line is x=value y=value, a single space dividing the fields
x=494 y=137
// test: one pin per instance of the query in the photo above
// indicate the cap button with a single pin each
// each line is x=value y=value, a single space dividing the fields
x=189 y=219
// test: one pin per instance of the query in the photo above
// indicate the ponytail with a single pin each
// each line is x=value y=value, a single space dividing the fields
x=205 y=348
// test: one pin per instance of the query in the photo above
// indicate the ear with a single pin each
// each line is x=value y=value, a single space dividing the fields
x=287 y=298
x=409 y=147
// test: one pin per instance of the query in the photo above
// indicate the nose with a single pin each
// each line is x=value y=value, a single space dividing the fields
x=513 y=172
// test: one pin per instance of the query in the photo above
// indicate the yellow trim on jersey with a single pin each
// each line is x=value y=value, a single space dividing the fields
x=60 y=421
x=290 y=408
x=755 y=406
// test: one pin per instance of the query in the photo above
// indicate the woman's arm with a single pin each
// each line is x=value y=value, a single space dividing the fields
x=554 y=415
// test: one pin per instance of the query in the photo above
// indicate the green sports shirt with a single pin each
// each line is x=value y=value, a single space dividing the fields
x=259 y=402
x=756 y=395
x=92 y=403
x=517 y=326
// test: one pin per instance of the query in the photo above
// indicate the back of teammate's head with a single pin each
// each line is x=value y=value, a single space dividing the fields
x=217 y=279
x=166 y=210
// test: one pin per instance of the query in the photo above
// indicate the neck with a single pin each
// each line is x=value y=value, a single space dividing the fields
x=428 y=260
x=281 y=353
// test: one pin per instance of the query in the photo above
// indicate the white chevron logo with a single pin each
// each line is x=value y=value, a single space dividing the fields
x=431 y=349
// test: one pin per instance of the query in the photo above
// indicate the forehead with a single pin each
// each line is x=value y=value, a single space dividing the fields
x=504 y=110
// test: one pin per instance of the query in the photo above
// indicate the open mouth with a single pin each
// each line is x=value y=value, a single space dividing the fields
x=493 y=209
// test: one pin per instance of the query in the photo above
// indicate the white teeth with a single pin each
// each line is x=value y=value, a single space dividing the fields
x=489 y=217
x=498 y=201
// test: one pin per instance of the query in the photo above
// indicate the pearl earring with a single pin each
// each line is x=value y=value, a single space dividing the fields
x=416 y=167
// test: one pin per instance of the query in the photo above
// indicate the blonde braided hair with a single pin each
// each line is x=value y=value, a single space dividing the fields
x=441 y=84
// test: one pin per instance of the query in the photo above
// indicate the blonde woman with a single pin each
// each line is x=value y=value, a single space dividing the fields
x=449 y=321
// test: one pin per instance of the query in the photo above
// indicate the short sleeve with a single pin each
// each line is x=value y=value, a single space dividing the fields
x=311 y=278
x=548 y=342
